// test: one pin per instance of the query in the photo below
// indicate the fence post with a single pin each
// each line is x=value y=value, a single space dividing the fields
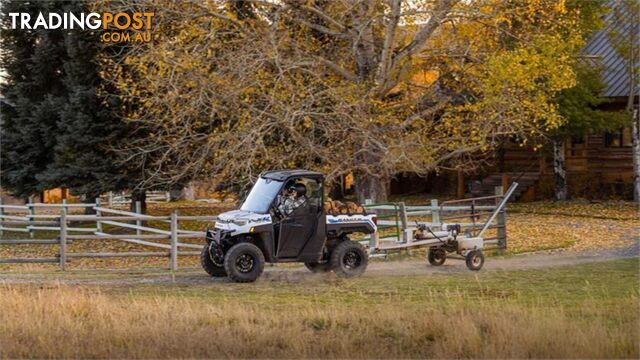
x=174 y=241
x=167 y=196
x=110 y=199
x=30 y=212
x=63 y=238
x=1 y=214
x=98 y=214
x=435 y=214
x=501 y=220
x=138 y=222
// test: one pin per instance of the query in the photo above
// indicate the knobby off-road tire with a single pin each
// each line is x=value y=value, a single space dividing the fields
x=475 y=260
x=436 y=256
x=244 y=262
x=349 y=259
x=318 y=267
x=209 y=266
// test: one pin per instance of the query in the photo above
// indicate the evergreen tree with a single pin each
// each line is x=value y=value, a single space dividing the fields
x=87 y=127
x=33 y=61
x=59 y=119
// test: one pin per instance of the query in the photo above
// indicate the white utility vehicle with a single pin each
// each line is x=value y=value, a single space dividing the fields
x=263 y=230
x=242 y=240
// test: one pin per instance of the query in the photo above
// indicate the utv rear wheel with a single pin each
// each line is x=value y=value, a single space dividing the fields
x=349 y=259
x=209 y=265
x=244 y=262
x=436 y=256
x=318 y=267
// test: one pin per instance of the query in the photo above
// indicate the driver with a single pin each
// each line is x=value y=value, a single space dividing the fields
x=293 y=198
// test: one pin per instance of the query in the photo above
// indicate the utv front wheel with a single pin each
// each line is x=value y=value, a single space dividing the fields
x=318 y=267
x=244 y=262
x=349 y=259
x=213 y=269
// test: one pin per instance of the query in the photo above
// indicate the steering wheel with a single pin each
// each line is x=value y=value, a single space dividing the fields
x=277 y=212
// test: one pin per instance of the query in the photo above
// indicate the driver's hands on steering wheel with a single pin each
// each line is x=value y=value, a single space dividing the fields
x=277 y=212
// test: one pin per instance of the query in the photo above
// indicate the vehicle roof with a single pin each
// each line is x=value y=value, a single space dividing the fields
x=282 y=175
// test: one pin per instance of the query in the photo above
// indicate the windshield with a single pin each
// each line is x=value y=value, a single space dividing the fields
x=261 y=195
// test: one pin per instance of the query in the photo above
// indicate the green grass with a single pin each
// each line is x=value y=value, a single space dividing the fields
x=603 y=282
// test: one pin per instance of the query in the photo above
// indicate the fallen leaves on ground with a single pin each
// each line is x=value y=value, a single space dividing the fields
x=530 y=227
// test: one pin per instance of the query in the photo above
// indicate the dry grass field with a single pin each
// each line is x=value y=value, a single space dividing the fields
x=584 y=311
x=578 y=311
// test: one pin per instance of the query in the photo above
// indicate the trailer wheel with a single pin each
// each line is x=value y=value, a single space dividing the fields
x=209 y=265
x=436 y=256
x=475 y=260
x=318 y=267
x=244 y=262
x=349 y=259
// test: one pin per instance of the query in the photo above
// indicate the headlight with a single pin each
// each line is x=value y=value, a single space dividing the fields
x=239 y=222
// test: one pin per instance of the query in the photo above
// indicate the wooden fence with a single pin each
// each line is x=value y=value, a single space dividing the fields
x=26 y=219
x=121 y=198
x=396 y=221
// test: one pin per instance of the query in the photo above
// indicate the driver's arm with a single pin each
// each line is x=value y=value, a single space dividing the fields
x=285 y=207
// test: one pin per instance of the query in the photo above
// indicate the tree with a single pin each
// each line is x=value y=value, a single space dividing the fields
x=87 y=125
x=33 y=61
x=625 y=38
x=368 y=87
x=63 y=121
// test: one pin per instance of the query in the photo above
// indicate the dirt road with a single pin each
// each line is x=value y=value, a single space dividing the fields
x=291 y=273
x=515 y=262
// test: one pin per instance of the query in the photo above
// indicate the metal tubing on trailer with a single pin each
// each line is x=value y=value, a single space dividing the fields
x=506 y=197
x=448 y=238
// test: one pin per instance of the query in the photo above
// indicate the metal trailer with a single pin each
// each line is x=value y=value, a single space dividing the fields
x=439 y=243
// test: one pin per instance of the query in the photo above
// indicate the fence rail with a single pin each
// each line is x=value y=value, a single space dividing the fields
x=122 y=198
x=26 y=219
x=396 y=221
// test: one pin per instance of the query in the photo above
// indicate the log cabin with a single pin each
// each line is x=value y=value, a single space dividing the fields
x=598 y=166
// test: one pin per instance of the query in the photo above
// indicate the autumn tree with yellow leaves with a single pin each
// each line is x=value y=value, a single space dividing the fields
x=369 y=87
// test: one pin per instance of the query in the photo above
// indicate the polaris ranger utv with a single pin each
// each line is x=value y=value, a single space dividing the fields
x=283 y=219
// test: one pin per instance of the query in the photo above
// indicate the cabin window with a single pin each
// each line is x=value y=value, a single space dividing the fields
x=577 y=140
x=620 y=138
x=577 y=145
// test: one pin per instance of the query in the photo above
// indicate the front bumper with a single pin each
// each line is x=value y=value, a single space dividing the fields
x=217 y=235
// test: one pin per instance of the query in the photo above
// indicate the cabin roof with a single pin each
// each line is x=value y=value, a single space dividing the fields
x=614 y=74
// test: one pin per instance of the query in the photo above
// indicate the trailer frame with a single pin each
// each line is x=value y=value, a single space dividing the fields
x=449 y=238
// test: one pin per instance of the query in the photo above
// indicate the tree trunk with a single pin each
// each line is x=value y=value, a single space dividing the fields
x=635 y=140
x=189 y=192
x=139 y=195
x=633 y=62
x=559 y=172
x=337 y=189
x=176 y=195
x=88 y=199
x=371 y=187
